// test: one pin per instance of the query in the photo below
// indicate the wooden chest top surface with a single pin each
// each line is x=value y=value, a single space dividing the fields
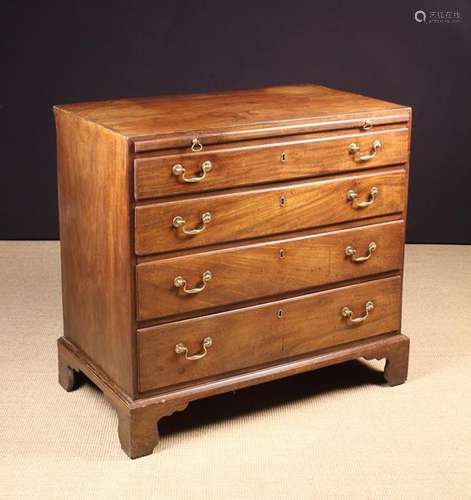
x=252 y=111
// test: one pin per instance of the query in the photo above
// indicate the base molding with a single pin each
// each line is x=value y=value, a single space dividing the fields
x=138 y=418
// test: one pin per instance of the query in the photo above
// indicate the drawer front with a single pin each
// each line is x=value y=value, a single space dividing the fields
x=261 y=334
x=268 y=161
x=252 y=213
x=266 y=269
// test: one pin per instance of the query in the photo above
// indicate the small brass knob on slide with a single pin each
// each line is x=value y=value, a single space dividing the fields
x=196 y=145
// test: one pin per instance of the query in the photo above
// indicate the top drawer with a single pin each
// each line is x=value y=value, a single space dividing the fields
x=257 y=162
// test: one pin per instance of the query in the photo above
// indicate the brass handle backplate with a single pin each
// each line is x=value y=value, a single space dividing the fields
x=351 y=252
x=348 y=313
x=181 y=348
x=180 y=282
x=354 y=148
x=179 y=171
x=179 y=222
x=353 y=197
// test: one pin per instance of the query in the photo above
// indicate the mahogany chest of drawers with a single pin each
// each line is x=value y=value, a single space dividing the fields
x=212 y=242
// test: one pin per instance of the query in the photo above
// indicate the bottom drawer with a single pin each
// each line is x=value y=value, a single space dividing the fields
x=265 y=333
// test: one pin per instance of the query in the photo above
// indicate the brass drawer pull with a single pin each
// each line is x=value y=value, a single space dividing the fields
x=348 y=313
x=352 y=253
x=179 y=170
x=181 y=348
x=180 y=282
x=372 y=194
x=353 y=149
x=179 y=222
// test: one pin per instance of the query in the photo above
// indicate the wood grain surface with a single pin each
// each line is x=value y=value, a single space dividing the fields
x=172 y=121
x=257 y=162
x=255 y=335
x=262 y=270
x=96 y=252
x=265 y=211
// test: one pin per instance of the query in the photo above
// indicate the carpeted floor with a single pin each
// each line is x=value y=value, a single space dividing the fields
x=335 y=433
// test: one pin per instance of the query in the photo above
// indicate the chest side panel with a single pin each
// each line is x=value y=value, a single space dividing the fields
x=96 y=252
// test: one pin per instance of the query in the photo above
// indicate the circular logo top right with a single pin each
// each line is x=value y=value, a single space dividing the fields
x=420 y=16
